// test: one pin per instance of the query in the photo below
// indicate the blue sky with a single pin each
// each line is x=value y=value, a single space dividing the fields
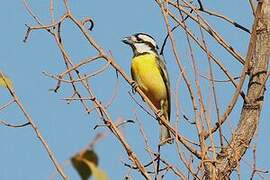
x=66 y=127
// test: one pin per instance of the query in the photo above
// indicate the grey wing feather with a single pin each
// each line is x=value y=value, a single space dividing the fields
x=165 y=76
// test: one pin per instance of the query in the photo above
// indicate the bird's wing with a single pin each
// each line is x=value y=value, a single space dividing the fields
x=133 y=75
x=165 y=76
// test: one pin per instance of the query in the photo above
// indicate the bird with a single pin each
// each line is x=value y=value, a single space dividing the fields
x=149 y=72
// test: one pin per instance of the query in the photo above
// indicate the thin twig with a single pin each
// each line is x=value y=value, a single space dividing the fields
x=252 y=6
x=13 y=125
x=7 y=104
x=36 y=130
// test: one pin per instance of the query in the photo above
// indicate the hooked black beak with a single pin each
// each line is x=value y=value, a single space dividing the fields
x=127 y=40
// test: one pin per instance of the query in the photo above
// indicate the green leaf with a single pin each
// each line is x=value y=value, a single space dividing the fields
x=5 y=81
x=98 y=174
x=86 y=165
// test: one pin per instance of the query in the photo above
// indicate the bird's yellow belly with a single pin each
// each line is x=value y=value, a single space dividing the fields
x=149 y=78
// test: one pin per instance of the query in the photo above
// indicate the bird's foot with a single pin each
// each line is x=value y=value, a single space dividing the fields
x=159 y=115
x=134 y=86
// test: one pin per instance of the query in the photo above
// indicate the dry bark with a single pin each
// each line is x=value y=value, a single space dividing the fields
x=259 y=52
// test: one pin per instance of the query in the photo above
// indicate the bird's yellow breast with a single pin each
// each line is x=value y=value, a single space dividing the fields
x=146 y=73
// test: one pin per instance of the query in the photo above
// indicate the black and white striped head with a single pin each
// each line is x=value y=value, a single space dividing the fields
x=141 y=43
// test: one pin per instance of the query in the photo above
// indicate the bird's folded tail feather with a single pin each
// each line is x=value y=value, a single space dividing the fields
x=165 y=135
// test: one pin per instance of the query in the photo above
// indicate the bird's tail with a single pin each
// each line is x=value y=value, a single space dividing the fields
x=165 y=135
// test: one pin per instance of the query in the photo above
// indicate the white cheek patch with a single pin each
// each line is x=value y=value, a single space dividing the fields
x=142 y=48
x=133 y=38
x=147 y=39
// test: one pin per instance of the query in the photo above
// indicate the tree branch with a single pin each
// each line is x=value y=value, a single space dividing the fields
x=259 y=48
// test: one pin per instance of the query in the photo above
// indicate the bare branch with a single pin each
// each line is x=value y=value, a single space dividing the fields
x=36 y=130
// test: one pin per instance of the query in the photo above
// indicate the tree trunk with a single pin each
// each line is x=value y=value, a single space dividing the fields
x=259 y=51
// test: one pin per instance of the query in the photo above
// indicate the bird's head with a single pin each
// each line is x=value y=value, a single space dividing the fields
x=141 y=43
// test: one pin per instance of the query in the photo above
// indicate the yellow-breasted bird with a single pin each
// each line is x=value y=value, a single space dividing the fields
x=149 y=71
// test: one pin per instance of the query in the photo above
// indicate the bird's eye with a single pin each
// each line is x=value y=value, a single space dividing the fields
x=139 y=39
